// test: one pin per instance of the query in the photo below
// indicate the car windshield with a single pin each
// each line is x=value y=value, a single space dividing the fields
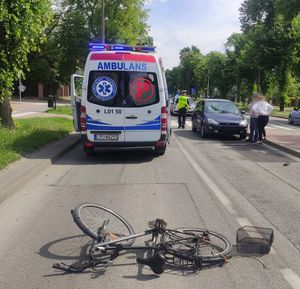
x=221 y=107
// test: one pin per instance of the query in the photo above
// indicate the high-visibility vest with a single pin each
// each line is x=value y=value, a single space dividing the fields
x=182 y=102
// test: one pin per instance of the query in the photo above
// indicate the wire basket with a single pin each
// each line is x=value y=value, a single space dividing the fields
x=254 y=240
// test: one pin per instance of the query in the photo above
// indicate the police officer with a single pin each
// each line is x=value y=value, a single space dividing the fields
x=183 y=106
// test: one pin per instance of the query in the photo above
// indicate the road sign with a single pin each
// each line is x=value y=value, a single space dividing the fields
x=22 y=88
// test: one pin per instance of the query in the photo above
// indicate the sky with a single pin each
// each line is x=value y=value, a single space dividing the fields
x=206 y=24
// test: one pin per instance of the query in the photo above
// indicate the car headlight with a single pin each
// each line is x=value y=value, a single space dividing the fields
x=212 y=121
x=244 y=122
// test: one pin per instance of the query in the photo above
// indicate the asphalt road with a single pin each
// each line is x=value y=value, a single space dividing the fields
x=219 y=184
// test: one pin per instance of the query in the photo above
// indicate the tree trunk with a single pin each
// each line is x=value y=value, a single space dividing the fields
x=5 y=114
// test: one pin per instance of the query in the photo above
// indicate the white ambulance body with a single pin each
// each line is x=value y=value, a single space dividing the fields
x=124 y=100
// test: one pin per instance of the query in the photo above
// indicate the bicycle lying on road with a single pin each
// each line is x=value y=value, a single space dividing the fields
x=184 y=248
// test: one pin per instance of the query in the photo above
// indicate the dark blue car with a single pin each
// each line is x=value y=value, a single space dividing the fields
x=219 y=116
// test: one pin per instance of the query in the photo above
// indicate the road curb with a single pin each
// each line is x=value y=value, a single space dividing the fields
x=17 y=175
x=283 y=148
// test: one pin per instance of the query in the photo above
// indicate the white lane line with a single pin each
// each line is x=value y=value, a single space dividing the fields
x=243 y=222
x=291 y=277
x=209 y=182
x=281 y=127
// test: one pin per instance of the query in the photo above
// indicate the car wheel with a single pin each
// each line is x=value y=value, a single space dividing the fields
x=290 y=120
x=193 y=128
x=202 y=132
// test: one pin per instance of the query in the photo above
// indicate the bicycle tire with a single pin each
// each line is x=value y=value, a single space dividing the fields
x=219 y=243
x=89 y=217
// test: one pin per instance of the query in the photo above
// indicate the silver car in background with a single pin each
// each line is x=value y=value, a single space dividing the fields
x=294 y=116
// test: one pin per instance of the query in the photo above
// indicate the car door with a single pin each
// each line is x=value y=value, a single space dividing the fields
x=198 y=115
x=76 y=95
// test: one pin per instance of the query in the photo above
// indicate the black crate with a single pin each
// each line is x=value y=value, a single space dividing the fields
x=254 y=240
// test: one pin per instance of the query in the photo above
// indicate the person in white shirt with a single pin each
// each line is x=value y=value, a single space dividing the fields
x=253 y=135
x=263 y=109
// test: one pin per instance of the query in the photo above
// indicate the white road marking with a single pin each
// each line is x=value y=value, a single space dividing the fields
x=291 y=277
x=243 y=222
x=209 y=182
x=258 y=151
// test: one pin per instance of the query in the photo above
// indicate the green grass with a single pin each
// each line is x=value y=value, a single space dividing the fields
x=30 y=134
x=66 y=109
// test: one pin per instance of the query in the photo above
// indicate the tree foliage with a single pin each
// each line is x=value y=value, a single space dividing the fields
x=22 y=26
x=80 y=22
x=264 y=57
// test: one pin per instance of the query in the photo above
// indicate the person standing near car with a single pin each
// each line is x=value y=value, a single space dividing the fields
x=183 y=106
x=263 y=109
x=253 y=135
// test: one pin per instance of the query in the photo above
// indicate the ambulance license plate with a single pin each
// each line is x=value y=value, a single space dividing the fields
x=107 y=136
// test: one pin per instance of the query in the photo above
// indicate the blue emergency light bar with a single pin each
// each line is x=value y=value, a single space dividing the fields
x=97 y=46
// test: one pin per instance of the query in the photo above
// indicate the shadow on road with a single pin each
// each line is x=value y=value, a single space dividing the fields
x=79 y=157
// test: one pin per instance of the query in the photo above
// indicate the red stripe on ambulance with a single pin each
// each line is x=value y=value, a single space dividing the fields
x=123 y=57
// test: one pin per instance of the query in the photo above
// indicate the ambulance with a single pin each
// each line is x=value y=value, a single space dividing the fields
x=121 y=101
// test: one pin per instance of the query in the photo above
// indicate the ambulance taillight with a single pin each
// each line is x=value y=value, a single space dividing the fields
x=83 y=118
x=164 y=120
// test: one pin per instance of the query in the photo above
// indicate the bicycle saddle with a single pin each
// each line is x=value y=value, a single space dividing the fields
x=156 y=263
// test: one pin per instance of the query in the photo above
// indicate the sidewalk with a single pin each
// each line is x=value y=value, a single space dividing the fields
x=19 y=173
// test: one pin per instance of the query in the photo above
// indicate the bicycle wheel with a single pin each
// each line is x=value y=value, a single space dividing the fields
x=92 y=217
x=191 y=248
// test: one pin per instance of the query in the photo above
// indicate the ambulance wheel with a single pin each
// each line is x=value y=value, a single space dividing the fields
x=89 y=151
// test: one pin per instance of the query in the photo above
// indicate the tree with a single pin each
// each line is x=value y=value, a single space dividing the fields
x=125 y=22
x=192 y=64
x=270 y=27
x=22 y=24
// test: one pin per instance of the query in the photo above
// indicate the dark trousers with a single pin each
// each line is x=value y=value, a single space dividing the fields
x=262 y=122
x=181 y=117
x=254 y=132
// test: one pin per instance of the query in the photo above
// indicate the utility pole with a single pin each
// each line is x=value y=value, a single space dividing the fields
x=103 y=21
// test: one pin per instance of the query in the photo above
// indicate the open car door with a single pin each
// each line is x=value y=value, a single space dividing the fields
x=76 y=93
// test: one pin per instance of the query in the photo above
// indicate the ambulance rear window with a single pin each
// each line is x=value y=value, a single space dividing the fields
x=123 y=88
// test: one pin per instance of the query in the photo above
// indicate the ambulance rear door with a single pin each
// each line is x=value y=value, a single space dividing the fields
x=142 y=103
x=104 y=106
x=76 y=94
